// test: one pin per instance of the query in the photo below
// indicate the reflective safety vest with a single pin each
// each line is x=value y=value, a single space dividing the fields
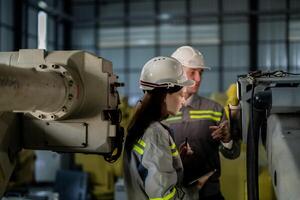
x=198 y=114
x=153 y=170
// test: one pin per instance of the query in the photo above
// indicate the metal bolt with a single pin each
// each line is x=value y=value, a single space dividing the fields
x=71 y=83
x=53 y=116
x=64 y=109
x=66 y=73
x=70 y=97
x=43 y=66
x=55 y=66
x=41 y=116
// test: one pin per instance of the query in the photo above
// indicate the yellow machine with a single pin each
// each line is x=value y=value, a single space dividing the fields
x=103 y=175
x=24 y=171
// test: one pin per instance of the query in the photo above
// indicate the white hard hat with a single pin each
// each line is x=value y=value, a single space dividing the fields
x=163 y=72
x=190 y=57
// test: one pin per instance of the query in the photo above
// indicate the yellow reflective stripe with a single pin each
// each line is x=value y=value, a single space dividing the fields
x=179 y=113
x=138 y=149
x=175 y=153
x=174 y=149
x=178 y=116
x=173 y=146
x=206 y=112
x=141 y=142
x=217 y=119
x=167 y=197
x=173 y=118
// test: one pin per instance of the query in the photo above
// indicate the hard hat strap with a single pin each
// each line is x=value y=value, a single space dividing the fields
x=155 y=85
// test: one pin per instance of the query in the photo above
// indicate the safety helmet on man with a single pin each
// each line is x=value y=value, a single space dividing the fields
x=189 y=57
x=163 y=72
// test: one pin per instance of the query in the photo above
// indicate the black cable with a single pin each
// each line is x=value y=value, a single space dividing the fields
x=252 y=155
x=112 y=157
x=115 y=117
x=277 y=73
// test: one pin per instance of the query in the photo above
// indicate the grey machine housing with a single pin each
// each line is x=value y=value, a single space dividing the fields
x=64 y=101
x=275 y=98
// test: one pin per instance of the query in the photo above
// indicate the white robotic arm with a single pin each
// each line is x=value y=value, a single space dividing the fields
x=68 y=103
x=270 y=112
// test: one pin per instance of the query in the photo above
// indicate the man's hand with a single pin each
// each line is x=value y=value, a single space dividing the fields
x=221 y=132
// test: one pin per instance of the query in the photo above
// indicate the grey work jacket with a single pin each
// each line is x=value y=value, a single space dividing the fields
x=193 y=122
x=153 y=169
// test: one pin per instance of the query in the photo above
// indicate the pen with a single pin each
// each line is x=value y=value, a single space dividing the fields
x=221 y=125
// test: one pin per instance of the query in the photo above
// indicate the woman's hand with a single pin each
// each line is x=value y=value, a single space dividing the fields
x=185 y=149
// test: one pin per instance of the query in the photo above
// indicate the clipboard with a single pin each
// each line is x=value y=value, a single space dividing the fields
x=203 y=178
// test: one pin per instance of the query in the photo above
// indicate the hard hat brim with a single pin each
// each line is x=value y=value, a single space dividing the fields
x=197 y=67
x=150 y=86
x=187 y=83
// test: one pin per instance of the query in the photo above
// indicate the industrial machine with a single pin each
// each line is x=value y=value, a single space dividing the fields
x=270 y=113
x=63 y=101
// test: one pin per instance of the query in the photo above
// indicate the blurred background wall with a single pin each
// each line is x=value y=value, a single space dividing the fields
x=235 y=36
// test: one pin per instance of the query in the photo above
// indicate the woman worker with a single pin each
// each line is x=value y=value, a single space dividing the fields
x=152 y=165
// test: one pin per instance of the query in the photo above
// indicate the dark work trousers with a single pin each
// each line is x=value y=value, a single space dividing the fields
x=217 y=196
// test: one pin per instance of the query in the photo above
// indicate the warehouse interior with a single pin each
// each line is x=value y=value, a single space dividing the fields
x=235 y=37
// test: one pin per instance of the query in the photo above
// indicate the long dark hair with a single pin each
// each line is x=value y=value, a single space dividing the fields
x=150 y=109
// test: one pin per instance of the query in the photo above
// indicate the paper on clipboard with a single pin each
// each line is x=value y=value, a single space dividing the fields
x=202 y=180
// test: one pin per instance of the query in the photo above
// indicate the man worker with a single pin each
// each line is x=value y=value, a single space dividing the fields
x=202 y=125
